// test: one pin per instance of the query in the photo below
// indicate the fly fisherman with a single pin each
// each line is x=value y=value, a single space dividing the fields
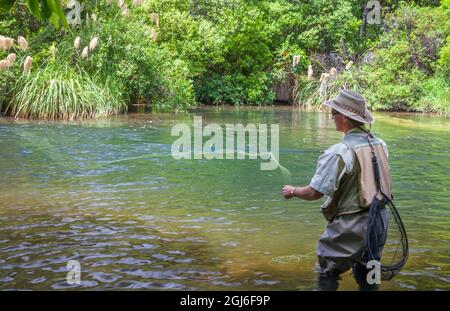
x=345 y=176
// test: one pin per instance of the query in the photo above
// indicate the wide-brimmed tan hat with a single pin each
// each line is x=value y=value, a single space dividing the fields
x=351 y=104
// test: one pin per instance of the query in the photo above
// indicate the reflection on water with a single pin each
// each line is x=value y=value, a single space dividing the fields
x=108 y=194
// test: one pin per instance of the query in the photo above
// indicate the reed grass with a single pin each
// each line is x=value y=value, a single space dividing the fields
x=314 y=92
x=63 y=91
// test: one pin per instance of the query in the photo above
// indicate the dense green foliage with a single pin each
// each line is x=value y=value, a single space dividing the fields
x=238 y=49
x=41 y=9
x=171 y=54
x=410 y=71
x=406 y=68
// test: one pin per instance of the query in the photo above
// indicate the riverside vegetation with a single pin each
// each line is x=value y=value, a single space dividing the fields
x=173 y=54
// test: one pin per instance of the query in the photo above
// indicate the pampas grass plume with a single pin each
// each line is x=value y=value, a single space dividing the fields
x=27 y=64
x=310 y=72
x=11 y=58
x=77 y=42
x=153 y=34
x=53 y=50
x=4 y=64
x=155 y=19
x=349 y=65
x=333 y=72
x=23 y=44
x=85 y=52
x=93 y=43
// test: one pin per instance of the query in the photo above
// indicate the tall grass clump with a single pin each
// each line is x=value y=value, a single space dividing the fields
x=64 y=91
x=313 y=92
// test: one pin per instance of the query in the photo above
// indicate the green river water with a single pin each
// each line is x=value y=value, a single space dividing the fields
x=109 y=194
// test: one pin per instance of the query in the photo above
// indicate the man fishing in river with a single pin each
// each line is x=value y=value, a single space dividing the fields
x=344 y=177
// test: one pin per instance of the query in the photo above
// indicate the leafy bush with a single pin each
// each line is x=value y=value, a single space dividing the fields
x=175 y=91
x=123 y=52
x=194 y=40
x=444 y=57
x=405 y=68
x=236 y=89
x=436 y=96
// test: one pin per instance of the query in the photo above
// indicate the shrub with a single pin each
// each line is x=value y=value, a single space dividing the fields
x=405 y=67
x=175 y=91
x=436 y=96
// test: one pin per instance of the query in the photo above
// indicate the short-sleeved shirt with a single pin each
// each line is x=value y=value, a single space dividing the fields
x=331 y=167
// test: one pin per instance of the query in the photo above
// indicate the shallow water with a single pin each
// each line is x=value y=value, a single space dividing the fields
x=108 y=194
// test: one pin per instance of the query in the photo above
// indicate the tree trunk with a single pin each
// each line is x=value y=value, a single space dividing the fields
x=362 y=30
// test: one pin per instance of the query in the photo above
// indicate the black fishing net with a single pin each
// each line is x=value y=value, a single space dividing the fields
x=395 y=251
x=387 y=241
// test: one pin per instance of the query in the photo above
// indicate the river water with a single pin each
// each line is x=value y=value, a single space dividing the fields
x=108 y=194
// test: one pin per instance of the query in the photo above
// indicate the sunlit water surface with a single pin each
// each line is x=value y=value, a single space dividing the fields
x=109 y=194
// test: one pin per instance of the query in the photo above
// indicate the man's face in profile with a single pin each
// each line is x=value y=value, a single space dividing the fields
x=338 y=119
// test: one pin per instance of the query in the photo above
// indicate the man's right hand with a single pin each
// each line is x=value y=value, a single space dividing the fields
x=287 y=191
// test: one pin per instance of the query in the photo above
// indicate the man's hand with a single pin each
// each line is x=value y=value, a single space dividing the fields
x=306 y=193
x=287 y=191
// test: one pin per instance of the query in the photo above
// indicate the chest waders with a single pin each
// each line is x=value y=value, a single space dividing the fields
x=377 y=228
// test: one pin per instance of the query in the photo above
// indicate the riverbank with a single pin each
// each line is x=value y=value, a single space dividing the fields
x=142 y=109
x=178 y=54
x=281 y=107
